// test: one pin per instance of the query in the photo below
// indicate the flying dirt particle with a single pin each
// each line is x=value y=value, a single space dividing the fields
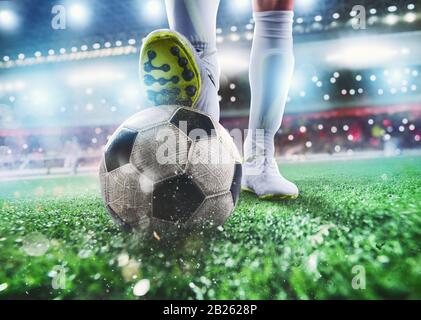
x=156 y=236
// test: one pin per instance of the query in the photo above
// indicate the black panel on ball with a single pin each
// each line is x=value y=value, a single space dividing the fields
x=176 y=199
x=236 y=183
x=188 y=120
x=120 y=149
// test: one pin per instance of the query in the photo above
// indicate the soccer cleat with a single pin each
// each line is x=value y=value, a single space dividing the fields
x=170 y=70
x=261 y=176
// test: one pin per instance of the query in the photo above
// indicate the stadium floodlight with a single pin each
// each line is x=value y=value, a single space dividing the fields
x=78 y=14
x=410 y=17
x=305 y=5
x=8 y=20
x=152 y=11
x=392 y=8
x=234 y=37
x=241 y=6
x=391 y=19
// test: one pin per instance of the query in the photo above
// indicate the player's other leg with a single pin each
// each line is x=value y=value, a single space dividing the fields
x=180 y=66
x=271 y=69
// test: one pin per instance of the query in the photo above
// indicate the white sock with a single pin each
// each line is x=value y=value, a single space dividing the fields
x=271 y=69
x=196 y=20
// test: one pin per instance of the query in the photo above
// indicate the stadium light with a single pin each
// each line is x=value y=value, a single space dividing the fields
x=392 y=8
x=336 y=16
x=391 y=19
x=8 y=20
x=305 y=5
x=152 y=11
x=410 y=17
x=78 y=14
x=241 y=6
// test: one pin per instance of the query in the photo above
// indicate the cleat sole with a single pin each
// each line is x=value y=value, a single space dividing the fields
x=169 y=70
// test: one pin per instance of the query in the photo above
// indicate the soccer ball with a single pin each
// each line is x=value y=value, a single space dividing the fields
x=170 y=168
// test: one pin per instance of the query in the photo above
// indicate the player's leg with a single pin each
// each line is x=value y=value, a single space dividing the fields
x=180 y=66
x=196 y=20
x=271 y=69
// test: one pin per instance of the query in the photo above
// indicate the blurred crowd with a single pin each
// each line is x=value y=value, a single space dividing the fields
x=299 y=135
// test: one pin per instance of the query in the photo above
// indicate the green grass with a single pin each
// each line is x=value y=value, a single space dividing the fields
x=354 y=213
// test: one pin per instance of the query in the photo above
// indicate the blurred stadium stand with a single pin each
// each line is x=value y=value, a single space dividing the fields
x=60 y=90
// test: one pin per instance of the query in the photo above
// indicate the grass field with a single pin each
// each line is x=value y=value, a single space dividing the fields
x=362 y=215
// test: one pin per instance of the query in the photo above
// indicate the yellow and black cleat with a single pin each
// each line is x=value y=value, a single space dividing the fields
x=169 y=70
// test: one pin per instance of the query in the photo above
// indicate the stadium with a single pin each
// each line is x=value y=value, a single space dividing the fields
x=350 y=138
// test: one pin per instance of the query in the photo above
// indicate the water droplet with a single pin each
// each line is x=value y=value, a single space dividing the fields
x=141 y=288
x=3 y=287
x=35 y=244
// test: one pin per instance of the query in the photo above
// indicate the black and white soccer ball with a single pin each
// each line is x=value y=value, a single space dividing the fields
x=168 y=169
